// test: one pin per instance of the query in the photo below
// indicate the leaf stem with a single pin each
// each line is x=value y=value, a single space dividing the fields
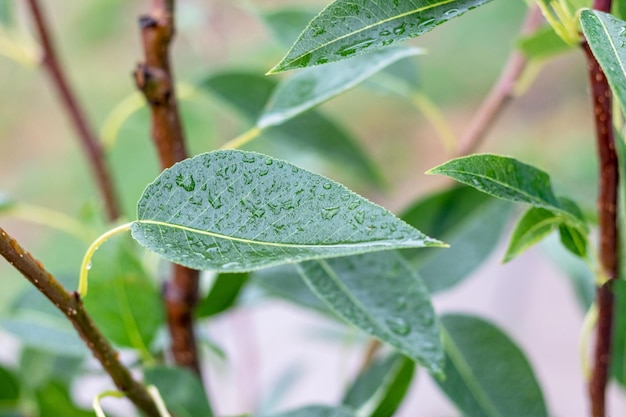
x=246 y=137
x=71 y=305
x=77 y=115
x=86 y=264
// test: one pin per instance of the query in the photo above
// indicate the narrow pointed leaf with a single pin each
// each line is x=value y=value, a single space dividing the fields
x=508 y=179
x=531 y=228
x=380 y=294
x=312 y=131
x=317 y=411
x=477 y=380
x=313 y=86
x=543 y=44
x=471 y=222
x=223 y=294
x=605 y=35
x=239 y=211
x=347 y=28
x=380 y=389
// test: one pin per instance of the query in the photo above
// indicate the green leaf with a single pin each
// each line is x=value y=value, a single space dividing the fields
x=618 y=349
x=543 y=44
x=383 y=296
x=7 y=13
x=54 y=399
x=470 y=221
x=508 y=179
x=284 y=281
x=318 y=411
x=126 y=305
x=605 y=35
x=531 y=228
x=37 y=367
x=181 y=390
x=380 y=389
x=223 y=294
x=313 y=86
x=347 y=28
x=236 y=211
x=311 y=131
x=475 y=379
x=9 y=388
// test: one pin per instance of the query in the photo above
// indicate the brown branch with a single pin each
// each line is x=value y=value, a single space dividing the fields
x=608 y=229
x=72 y=307
x=502 y=91
x=87 y=138
x=155 y=79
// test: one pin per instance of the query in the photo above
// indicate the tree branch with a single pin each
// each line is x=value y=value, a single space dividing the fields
x=502 y=91
x=72 y=307
x=155 y=79
x=88 y=139
x=608 y=229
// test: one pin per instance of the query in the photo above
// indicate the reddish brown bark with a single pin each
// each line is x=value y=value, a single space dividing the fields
x=155 y=79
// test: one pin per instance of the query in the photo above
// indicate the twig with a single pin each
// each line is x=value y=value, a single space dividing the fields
x=155 y=79
x=71 y=305
x=502 y=91
x=608 y=228
x=88 y=139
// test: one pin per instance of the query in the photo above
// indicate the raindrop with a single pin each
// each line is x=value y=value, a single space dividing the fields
x=248 y=159
x=264 y=172
x=360 y=217
x=384 y=33
x=451 y=13
x=426 y=23
x=355 y=47
x=231 y=265
x=400 y=29
x=329 y=212
x=88 y=266
x=326 y=186
x=321 y=60
x=186 y=183
x=269 y=161
x=398 y=325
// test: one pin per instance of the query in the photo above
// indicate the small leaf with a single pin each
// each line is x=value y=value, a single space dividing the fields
x=475 y=382
x=313 y=86
x=380 y=294
x=223 y=294
x=347 y=28
x=181 y=390
x=508 y=179
x=470 y=221
x=543 y=44
x=380 y=389
x=531 y=228
x=317 y=411
x=239 y=211
x=127 y=305
x=311 y=131
x=606 y=37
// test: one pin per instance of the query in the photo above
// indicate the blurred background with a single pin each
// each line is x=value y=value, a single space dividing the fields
x=279 y=355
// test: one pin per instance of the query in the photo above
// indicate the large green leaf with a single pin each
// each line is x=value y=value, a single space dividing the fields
x=223 y=294
x=318 y=411
x=181 y=390
x=313 y=86
x=9 y=388
x=379 y=390
x=239 y=211
x=605 y=35
x=38 y=367
x=509 y=179
x=53 y=399
x=471 y=222
x=126 y=305
x=383 y=296
x=487 y=375
x=312 y=131
x=348 y=28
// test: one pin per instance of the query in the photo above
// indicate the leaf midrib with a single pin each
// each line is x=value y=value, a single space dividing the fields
x=380 y=22
x=424 y=242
